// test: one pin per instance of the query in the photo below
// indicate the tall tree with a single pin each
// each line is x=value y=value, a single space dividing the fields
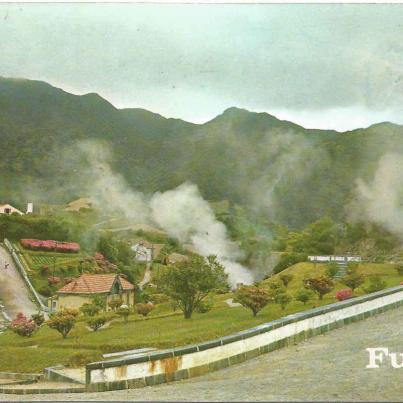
x=188 y=283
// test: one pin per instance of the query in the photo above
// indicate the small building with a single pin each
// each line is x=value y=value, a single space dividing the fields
x=82 y=289
x=9 y=209
x=146 y=251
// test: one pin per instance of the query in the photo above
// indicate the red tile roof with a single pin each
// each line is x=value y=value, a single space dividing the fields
x=94 y=284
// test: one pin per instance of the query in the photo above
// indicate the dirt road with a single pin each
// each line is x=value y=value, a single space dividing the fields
x=13 y=293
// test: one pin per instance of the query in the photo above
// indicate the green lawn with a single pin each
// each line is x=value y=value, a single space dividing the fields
x=162 y=329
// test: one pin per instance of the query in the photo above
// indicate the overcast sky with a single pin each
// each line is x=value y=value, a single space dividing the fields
x=324 y=66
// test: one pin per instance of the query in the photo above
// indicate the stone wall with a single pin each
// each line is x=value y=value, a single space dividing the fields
x=185 y=362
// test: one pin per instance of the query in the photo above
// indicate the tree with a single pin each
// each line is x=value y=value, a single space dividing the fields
x=283 y=299
x=331 y=269
x=252 y=297
x=321 y=285
x=190 y=282
x=286 y=279
x=303 y=296
x=63 y=321
x=90 y=309
x=353 y=280
x=124 y=312
x=97 y=322
x=23 y=326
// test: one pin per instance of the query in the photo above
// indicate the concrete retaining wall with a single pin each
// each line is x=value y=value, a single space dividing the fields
x=184 y=362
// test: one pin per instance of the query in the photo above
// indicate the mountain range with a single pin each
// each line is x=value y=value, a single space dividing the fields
x=288 y=173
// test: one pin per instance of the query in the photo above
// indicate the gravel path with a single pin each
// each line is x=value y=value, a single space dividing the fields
x=328 y=367
x=13 y=293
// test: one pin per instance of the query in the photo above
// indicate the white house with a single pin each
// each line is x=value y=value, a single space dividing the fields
x=144 y=251
x=9 y=209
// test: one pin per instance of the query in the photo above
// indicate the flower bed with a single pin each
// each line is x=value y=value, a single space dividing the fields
x=49 y=245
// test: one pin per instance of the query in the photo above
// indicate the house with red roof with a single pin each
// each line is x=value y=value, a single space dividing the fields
x=83 y=289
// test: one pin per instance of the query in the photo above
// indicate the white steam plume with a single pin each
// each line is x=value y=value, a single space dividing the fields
x=380 y=201
x=181 y=212
x=185 y=215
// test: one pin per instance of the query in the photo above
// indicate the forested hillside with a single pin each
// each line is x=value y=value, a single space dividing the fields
x=290 y=174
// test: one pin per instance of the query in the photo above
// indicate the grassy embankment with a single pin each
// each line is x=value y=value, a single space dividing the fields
x=162 y=329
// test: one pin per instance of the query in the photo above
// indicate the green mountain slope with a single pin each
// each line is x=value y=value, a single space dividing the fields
x=291 y=174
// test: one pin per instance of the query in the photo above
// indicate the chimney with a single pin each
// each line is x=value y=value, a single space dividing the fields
x=30 y=208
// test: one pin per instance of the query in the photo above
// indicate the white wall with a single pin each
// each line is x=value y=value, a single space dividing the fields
x=187 y=361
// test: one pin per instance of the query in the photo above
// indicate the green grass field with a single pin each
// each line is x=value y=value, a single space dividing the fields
x=162 y=328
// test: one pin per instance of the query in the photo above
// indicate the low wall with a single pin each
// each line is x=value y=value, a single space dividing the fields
x=25 y=277
x=189 y=361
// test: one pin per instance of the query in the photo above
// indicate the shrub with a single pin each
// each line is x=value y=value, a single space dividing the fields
x=346 y=293
x=144 y=309
x=90 y=309
x=286 y=278
x=63 y=321
x=375 y=284
x=53 y=280
x=45 y=291
x=97 y=322
x=38 y=318
x=252 y=297
x=353 y=279
x=79 y=359
x=124 y=312
x=23 y=326
x=331 y=269
x=282 y=299
x=115 y=303
x=99 y=301
x=44 y=270
x=303 y=296
x=321 y=285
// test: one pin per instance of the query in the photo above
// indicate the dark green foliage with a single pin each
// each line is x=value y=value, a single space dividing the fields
x=331 y=269
x=190 y=282
x=45 y=291
x=99 y=301
x=39 y=149
x=282 y=299
x=38 y=318
x=115 y=250
x=303 y=296
x=289 y=259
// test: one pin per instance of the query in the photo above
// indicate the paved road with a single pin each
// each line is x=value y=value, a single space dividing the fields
x=328 y=367
x=13 y=292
